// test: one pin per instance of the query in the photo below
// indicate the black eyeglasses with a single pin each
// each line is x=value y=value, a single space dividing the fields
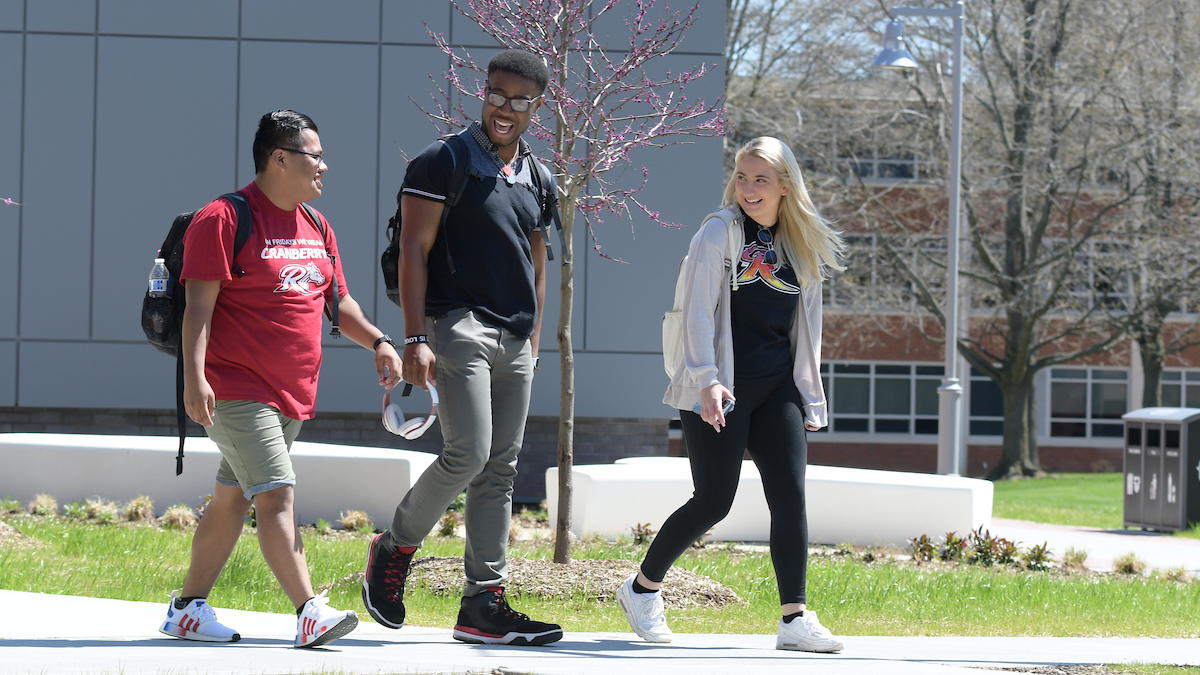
x=765 y=238
x=320 y=157
x=517 y=104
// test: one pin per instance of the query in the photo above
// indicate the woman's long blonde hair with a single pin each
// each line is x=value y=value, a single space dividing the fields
x=809 y=244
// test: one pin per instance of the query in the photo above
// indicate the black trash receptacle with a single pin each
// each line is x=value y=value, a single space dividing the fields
x=1162 y=468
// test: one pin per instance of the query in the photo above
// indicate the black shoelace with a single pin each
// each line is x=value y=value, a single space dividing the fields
x=501 y=603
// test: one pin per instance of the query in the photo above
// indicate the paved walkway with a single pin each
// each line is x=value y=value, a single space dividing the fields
x=1158 y=551
x=66 y=635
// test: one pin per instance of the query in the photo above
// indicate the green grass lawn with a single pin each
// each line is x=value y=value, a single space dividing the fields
x=853 y=598
x=1087 y=499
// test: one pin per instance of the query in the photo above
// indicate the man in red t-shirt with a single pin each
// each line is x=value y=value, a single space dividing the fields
x=252 y=356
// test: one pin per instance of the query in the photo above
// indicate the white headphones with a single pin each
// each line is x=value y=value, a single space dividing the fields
x=393 y=417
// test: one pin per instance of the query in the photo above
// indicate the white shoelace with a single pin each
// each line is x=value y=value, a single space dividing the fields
x=814 y=626
x=651 y=609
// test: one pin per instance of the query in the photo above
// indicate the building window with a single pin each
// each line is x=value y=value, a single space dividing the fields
x=1181 y=389
x=870 y=283
x=1088 y=402
x=882 y=398
x=986 y=416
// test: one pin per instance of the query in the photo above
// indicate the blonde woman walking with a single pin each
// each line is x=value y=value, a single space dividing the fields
x=752 y=326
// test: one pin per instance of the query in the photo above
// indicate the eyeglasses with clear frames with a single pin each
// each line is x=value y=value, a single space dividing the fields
x=320 y=157
x=519 y=105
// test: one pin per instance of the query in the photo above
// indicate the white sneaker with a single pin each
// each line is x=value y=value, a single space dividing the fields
x=196 y=621
x=644 y=612
x=319 y=623
x=806 y=634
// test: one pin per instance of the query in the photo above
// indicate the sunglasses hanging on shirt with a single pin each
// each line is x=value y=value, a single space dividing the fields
x=765 y=238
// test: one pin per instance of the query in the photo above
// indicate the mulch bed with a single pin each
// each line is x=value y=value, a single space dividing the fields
x=594 y=580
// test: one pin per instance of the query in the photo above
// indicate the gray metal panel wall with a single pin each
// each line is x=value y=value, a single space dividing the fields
x=56 y=224
x=172 y=152
x=12 y=15
x=11 y=49
x=67 y=16
x=120 y=114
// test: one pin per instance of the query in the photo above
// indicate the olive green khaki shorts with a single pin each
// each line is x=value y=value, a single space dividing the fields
x=255 y=440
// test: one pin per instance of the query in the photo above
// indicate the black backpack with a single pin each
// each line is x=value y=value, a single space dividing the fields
x=162 y=317
x=544 y=187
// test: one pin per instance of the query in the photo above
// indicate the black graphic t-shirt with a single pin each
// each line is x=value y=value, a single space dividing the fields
x=762 y=308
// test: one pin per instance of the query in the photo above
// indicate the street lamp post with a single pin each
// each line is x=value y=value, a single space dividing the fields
x=894 y=56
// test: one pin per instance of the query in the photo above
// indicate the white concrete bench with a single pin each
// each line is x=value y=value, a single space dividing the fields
x=852 y=506
x=330 y=479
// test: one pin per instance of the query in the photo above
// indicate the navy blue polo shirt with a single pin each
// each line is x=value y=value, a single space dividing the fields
x=488 y=236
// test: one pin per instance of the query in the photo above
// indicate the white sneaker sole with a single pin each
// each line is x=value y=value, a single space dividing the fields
x=176 y=631
x=474 y=636
x=626 y=603
x=818 y=646
x=340 y=629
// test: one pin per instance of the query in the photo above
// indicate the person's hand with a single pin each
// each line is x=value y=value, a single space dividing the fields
x=200 y=401
x=711 y=399
x=388 y=365
x=811 y=427
x=420 y=365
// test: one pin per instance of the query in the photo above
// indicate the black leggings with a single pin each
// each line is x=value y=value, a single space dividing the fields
x=767 y=421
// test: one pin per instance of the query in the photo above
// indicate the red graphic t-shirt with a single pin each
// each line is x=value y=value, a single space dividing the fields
x=266 y=327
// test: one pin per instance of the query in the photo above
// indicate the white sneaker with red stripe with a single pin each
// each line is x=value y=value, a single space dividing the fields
x=319 y=623
x=196 y=621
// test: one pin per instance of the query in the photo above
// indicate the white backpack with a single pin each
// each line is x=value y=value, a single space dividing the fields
x=672 y=325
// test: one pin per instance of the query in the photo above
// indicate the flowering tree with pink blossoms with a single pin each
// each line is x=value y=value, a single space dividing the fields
x=604 y=104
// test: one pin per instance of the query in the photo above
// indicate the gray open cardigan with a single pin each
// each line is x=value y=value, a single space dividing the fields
x=707 y=332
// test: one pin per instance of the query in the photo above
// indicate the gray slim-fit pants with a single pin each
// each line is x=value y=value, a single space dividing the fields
x=484 y=375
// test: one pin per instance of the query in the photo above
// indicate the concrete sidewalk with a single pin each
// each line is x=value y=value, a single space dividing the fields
x=66 y=635
x=1157 y=550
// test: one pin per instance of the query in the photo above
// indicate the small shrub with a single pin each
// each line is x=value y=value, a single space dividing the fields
x=204 y=502
x=140 y=508
x=1074 y=558
x=448 y=525
x=354 y=521
x=702 y=541
x=10 y=506
x=44 y=505
x=101 y=510
x=982 y=548
x=954 y=549
x=323 y=526
x=642 y=533
x=1129 y=564
x=75 y=511
x=1177 y=574
x=844 y=550
x=1037 y=558
x=460 y=503
x=252 y=517
x=178 y=517
x=1009 y=552
x=922 y=549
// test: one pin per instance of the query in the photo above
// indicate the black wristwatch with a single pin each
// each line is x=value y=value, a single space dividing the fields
x=382 y=339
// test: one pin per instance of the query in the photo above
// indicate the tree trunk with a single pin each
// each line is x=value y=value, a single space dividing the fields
x=566 y=412
x=1151 y=346
x=566 y=305
x=1015 y=461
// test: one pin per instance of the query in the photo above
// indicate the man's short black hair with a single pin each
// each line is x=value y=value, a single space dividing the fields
x=520 y=62
x=279 y=129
